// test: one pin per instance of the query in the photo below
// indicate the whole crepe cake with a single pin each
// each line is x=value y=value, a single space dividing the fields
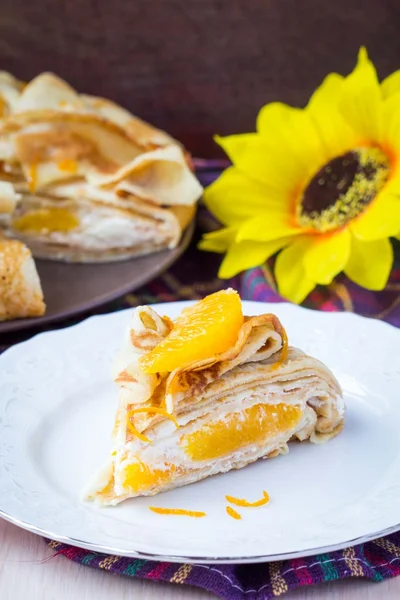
x=82 y=179
x=210 y=392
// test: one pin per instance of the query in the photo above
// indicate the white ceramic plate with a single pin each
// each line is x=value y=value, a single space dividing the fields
x=57 y=406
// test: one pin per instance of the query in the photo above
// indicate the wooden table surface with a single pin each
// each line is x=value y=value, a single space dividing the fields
x=27 y=570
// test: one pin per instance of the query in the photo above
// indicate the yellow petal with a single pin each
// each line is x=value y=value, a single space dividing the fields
x=370 y=263
x=361 y=99
x=293 y=281
x=327 y=256
x=234 y=145
x=381 y=219
x=253 y=157
x=336 y=134
x=244 y=255
x=293 y=132
x=392 y=187
x=391 y=85
x=218 y=241
x=268 y=226
x=235 y=196
x=389 y=135
x=275 y=166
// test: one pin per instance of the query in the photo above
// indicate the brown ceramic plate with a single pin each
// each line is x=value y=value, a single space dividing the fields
x=70 y=289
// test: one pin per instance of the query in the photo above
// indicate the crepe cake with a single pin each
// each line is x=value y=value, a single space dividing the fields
x=95 y=183
x=210 y=392
x=20 y=290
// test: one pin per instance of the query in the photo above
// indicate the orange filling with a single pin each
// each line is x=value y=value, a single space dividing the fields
x=139 y=477
x=254 y=425
x=233 y=513
x=243 y=502
x=177 y=511
x=47 y=220
x=206 y=329
x=68 y=165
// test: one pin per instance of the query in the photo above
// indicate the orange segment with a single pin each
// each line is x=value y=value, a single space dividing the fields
x=202 y=331
x=139 y=477
x=250 y=426
x=46 y=220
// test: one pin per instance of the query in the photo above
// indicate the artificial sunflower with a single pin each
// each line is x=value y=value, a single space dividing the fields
x=321 y=185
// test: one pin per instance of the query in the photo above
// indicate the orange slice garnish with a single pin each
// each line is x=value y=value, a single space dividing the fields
x=202 y=331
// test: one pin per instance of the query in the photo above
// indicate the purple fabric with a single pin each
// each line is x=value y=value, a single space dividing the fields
x=376 y=561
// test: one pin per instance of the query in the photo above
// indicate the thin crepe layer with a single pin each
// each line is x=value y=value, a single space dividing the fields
x=20 y=290
x=87 y=230
x=56 y=143
x=255 y=372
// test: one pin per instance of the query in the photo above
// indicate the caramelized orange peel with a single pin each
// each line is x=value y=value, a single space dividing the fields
x=233 y=513
x=245 y=503
x=135 y=432
x=149 y=409
x=208 y=328
x=284 y=350
x=155 y=410
x=32 y=177
x=177 y=511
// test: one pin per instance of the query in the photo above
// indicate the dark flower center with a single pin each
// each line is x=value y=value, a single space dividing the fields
x=343 y=188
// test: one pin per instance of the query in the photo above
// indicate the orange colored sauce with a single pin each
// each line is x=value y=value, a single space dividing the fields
x=233 y=513
x=177 y=511
x=242 y=502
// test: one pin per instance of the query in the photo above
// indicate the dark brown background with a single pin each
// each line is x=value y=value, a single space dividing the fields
x=197 y=67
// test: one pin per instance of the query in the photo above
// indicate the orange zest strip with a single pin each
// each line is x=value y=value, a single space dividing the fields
x=242 y=502
x=177 y=511
x=284 y=351
x=133 y=430
x=155 y=410
x=32 y=177
x=233 y=513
